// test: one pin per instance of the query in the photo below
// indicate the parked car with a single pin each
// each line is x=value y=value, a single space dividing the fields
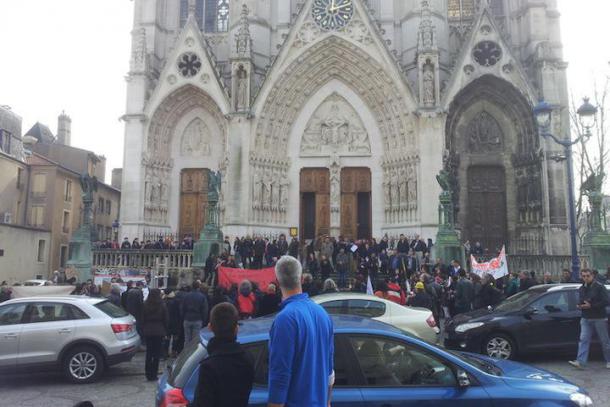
x=378 y=365
x=80 y=336
x=416 y=321
x=37 y=283
x=543 y=318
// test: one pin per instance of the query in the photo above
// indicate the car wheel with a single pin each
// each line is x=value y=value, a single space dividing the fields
x=83 y=364
x=499 y=346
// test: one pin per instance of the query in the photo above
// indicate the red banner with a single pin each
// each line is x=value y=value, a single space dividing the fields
x=263 y=277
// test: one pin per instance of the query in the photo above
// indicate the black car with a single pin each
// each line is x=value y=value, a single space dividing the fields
x=541 y=319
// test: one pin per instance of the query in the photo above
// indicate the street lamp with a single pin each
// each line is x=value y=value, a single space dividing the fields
x=543 y=112
x=115 y=229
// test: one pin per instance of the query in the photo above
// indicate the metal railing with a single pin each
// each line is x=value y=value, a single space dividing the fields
x=172 y=259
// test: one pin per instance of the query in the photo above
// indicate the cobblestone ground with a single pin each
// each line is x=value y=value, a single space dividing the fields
x=124 y=385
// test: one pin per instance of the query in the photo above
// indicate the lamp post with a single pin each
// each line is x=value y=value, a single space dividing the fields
x=543 y=113
x=115 y=230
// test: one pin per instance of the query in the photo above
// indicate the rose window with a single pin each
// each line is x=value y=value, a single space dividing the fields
x=189 y=64
x=487 y=53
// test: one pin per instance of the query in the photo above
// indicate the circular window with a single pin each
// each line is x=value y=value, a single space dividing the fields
x=487 y=53
x=189 y=64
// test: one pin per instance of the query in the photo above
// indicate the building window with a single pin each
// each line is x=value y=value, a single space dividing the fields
x=65 y=223
x=63 y=256
x=37 y=216
x=100 y=206
x=459 y=10
x=5 y=141
x=497 y=8
x=19 y=178
x=100 y=232
x=41 y=246
x=108 y=233
x=184 y=11
x=39 y=183
x=68 y=191
x=108 y=207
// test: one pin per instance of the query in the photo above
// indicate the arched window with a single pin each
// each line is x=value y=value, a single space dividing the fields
x=216 y=15
x=184 y=11
x=459 y=10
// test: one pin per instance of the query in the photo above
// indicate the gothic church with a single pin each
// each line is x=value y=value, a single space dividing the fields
x=335 y=116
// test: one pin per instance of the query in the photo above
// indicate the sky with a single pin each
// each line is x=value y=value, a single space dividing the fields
x=73 y=55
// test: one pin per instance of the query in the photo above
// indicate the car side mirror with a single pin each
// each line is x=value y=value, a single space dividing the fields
x=551 y=308
x=463 y=379
x=529 y=312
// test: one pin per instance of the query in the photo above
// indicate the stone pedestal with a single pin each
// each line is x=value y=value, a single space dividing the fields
x=80 y=253
x=447 y=246
x=596 y=243
x=210 y=243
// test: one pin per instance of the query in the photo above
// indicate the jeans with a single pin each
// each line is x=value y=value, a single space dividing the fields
x=191 y=331
x=587 y=326
x=342 y=278
x=153 y=353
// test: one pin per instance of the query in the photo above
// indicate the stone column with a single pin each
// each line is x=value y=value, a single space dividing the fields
x=335 y=195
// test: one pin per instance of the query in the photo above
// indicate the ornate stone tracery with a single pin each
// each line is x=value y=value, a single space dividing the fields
x=400 y=190
x=335 y=128
x=270 y=189
x=196 y=139
x=485 y=134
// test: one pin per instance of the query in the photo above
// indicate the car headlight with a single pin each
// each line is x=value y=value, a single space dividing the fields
x=467 y=327
x=581 y=400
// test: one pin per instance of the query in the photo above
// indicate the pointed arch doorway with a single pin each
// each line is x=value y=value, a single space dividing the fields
x=193 y=201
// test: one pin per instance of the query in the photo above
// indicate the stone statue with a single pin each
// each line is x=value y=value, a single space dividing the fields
x=429 y=86
x=444 y=180
x=242 y=89
x=214 y=182
x=593 y=183
x=89 y=186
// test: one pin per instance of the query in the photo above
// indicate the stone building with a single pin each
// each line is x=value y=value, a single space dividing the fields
x=336 y=116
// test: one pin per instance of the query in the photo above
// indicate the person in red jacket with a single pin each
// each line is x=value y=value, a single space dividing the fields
x=246 y=300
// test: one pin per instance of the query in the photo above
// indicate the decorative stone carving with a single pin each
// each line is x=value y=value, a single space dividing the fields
x=335 y=128
x=427 y=35
x=243 y=40
x=189 y=64
x=429 y=85
x=270 y=189
x=468 y=70
x=400 y=190
x=156 y=189
x=487 y=53
x=307 y=34
x=358 y=31
x=139 y=54
x=242 y=98
x=484 y=134
x=196 y=139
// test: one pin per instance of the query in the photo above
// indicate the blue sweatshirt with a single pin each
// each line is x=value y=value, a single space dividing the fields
x=301 y=351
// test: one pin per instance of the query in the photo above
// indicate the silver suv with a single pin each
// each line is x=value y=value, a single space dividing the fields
x=80 y=336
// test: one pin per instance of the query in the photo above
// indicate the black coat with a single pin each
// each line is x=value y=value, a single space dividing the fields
x=155 y=320
x=596 y=295
x=268 y=304
x=225 y=376
x=133 y=302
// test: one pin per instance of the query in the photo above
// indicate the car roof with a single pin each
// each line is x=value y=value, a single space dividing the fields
x=60 y=298
x=254 y=330
x=344 y=295
x=560 y=287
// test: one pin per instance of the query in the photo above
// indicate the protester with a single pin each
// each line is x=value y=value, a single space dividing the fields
x=115 y=295
x=330 y=286
x=194 y=313
x=592 y=302
x=525 y=281
x=421 y=298
x=134 y=302
x=301 y=345
x=464 y=294
x=227 y=373
x=246 y=300
x=270 y=302
x=155 y=320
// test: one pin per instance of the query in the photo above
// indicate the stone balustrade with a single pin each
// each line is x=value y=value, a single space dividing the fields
x=170 y=259
x=543 y=263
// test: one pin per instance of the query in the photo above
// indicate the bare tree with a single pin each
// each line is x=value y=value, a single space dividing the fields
x=591 y=156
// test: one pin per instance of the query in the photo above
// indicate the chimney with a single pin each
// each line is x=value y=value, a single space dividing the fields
x=64 y=129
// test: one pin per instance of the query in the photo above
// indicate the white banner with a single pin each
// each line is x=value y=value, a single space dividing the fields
x=497 y=267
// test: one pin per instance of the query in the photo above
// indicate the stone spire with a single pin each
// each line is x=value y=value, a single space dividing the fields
x=243 y=40
x=427 y=35
x=192 y=7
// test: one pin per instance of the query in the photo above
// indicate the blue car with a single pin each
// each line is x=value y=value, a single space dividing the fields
x=377 y=365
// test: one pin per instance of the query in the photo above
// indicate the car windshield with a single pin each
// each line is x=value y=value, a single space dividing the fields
x=111 y=310
x=518 y=301
x=186 y=362
x=480 y=364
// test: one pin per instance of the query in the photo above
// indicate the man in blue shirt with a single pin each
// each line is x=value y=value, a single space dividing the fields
x=301 y=345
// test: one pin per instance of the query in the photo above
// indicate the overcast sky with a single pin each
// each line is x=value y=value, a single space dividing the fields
x=73 y=55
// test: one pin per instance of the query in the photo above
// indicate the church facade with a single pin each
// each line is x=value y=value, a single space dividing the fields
x=335 y=116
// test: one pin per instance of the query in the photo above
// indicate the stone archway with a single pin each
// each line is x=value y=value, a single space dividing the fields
x=187 y=130
x=497 y=173
x=274 y=151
